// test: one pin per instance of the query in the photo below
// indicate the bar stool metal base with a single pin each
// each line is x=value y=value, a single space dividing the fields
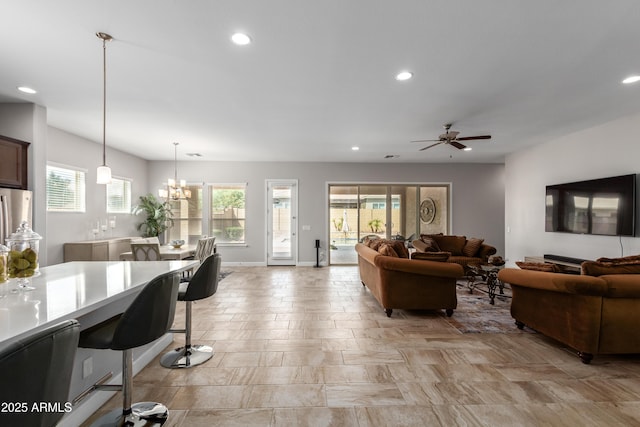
x=144 y=414
x=184 y=357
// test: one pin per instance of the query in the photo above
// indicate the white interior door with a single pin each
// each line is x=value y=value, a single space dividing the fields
x=282 y=226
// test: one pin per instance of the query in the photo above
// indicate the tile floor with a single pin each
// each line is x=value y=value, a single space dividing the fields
x=311 y=347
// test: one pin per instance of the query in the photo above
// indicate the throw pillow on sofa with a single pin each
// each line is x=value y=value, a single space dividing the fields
x=538 y=266
x=431 y=245
x=387 y=250
x=603 y=266
x=472 y=247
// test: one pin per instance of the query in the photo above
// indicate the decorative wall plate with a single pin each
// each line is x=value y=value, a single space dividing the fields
x=427 y=210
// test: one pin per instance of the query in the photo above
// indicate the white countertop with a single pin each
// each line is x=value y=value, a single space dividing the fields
x=73 y=289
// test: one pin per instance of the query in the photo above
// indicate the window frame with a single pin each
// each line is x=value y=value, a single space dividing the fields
x=211 y=221
x=127 y=195
x=79 y=193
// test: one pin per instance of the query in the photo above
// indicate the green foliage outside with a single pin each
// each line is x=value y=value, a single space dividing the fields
x=375 y=225
x=234 y=233
x=225 y=199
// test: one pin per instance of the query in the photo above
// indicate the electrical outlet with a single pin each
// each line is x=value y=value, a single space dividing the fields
x=87 y=367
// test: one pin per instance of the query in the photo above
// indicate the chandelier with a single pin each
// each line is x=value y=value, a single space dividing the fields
x=174 y=189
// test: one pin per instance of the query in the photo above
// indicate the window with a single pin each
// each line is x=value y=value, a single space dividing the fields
x=187 y=217
x=65 y=189
x=119 y=196
x=227 y=218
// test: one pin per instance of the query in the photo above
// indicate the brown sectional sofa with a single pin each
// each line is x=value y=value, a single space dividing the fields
x=593 y=314
x=461 y=250
x=398 y=282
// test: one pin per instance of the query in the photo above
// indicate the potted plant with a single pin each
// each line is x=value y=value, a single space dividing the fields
x=159 y=216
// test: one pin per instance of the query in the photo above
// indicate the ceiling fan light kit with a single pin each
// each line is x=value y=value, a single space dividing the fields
x=450 y=137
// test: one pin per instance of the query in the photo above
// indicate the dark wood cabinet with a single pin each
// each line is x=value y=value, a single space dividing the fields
x=13 y=163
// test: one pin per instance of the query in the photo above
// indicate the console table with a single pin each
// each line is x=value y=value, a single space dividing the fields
x=97 y=250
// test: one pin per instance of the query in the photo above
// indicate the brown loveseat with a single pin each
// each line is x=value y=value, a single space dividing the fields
x=461 y=250
x=399 y=282
x=596 y=312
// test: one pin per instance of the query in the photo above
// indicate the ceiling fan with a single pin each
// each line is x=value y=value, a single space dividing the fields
x=451 y=138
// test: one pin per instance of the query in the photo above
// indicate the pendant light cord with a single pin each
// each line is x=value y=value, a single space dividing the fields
x=105 y=38
x=175 y=163
x=104 y=102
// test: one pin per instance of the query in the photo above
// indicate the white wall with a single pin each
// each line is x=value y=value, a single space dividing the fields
x=71 y=150
x=478 y=196
x=477 y=189
x=607 y=150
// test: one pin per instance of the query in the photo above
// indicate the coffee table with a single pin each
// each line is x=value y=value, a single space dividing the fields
x=485 y=274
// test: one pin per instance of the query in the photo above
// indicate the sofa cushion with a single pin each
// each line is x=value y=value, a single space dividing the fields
x=538 y=266
x=472 y=247
x=431 y=256
x=453 y=244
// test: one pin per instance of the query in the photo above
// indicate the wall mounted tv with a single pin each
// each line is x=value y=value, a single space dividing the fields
x=603 y=206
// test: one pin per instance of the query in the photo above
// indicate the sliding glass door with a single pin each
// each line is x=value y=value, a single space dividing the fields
x=390 y=211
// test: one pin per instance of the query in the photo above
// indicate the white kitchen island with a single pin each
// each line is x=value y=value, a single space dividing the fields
x=89 y=291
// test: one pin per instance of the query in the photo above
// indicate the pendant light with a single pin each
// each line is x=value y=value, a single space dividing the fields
x=175 y=189
x=103 y=173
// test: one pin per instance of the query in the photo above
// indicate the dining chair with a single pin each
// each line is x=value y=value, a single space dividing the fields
x=145 y=251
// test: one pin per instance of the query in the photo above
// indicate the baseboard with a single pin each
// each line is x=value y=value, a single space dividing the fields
x=243 y=264
x=91 y=404
x=264 y=264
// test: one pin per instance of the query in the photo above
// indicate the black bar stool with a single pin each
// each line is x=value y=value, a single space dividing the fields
x=149 y=317
x=202 y=284
x=35 y=371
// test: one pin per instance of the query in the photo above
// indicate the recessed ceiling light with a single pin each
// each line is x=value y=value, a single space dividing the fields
x=404 y=75
x=241 y=39
x=631 y=79
x=354 y=148
x=26 y=89
x=467 y=149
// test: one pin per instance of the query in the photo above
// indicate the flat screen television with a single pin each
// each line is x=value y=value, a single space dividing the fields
x=603 y=206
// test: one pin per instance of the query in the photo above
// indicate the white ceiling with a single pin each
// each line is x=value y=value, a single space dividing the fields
x=319 y=75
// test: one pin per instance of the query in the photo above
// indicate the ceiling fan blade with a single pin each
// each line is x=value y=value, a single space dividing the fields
x=469 y=138
x=458 y=145
x=426 y=140
x=432 y=145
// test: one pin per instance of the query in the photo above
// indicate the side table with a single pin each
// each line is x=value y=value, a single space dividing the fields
x=485 y=274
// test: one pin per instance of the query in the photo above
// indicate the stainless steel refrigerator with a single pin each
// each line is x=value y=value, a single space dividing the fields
x=15 y=207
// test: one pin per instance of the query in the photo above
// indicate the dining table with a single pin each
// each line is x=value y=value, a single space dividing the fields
x=167 y=252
